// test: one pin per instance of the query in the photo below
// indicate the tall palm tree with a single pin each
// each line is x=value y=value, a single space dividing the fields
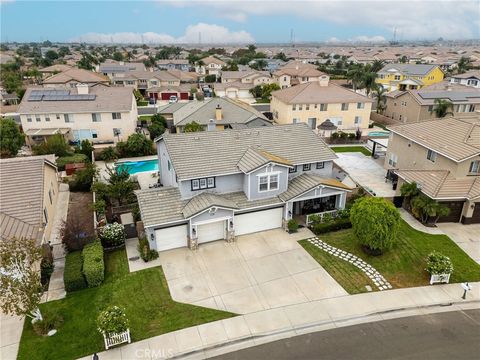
x=463 y=64
x=377 y=65
x=380 y=97
x=441 y=108
x=368 y=81
x=355 y=75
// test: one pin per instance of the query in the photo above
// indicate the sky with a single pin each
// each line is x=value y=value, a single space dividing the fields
x=236 y=21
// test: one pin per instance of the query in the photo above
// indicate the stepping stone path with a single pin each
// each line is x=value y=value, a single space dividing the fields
x=380 y=282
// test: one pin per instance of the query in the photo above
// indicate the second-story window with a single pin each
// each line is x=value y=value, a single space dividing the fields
x=268 y=182
x=96 y=117
x=323 y=107
x=474 y=167
x=116 y=116
x=320 y=165
x=203 y=183
x=293 y=169
x=307 y=167
x=360 y=105
x=431 y=155
x=344 y=106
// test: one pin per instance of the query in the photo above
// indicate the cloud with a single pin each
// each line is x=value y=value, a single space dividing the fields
x=371 y=39
x=201 y=32
x=413 y=19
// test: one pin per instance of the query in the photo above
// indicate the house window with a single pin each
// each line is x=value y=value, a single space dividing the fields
x=307 y=107
x=37 y=118
x=130 y=82
x=117 y=132
x=358 y=120
x=307 y=167
x=196 y=184
x=472 y=82
x=204 y=183
x=430 y=108
x=431 y=155
x=47 y=118
x=294 y=107
x=474 y=167
x=263 y=183
x=116 y=116
x=295 y=121
x=397 y=77
x=336 y=120
x=169 y=165
x=29 y=119
x=274 y=182
x=58 y=116
x=360 y=105
x=312 y=122
x=323 y=107
x=96 y=117
x=68 y=118
x=210 y=183
x=320 y=165
x=268 y=182
x=392 y=160
x=293 y=169
x=344 y=106
x=300 y=106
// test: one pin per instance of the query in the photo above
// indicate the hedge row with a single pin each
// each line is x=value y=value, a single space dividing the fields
x=93 y=265
x=73 y=276
x=338 y=224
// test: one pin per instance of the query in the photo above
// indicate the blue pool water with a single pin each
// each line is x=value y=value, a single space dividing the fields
x=134 y=167
x=378 y=133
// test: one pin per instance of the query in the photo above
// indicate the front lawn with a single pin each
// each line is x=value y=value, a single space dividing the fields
x=403 y=265
x=145 y=297
x=342 y=149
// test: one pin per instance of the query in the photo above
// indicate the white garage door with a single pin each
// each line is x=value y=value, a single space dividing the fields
x=212 y=231
x=258 y=221
x=232 y=94
x=171 y=238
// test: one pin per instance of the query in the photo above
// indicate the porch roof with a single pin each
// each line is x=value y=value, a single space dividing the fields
x=50 y=131
x=205 y=201
x=306 y=182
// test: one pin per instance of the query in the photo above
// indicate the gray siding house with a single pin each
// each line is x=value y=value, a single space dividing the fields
x=222 y=184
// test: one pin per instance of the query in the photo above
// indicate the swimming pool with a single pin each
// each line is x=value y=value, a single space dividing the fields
x=134 y=167
x=379 y=133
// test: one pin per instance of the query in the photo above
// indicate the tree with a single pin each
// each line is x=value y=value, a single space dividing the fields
x=377 y=65
x=260 y=64
x=210 y=78
x=193 y=127
x=55 y=144
x=267 y=90
x=375 y=223
x=368 y=81
x=51 y=55
x=356 y=75
x=231 y=66
x=20 y=284
x=108 y=154
x=426 y=208
x=463 y=64
x=86 y=148
x=403 y=59
x=409 y=191
x=83 y=178
x=11 y=139
x=157 y=126
x=281 y=56
x=381 y=98
x=256 y=91
x=136 y=145
x=441 y=108
x=118 y=56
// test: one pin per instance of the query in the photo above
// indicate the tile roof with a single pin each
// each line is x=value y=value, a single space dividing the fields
x=11 y=227
x=468 y=75
x=55 y=68
x=457 y=138
x=213 y=60
x=160 y=206
x=314 y=93
x=254 y=158
x=80 y=75
x=306 y=182
x=409 y=69
x=205 y=201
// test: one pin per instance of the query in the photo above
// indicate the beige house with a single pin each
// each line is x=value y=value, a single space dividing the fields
x=470 y=78
x=211 y=66
x=443 y=157
x=296 y=72
x=100 y=114
x=418 y=105
x=237 y=84
x=315 y=102
x=70 y=78
x=28 y=197
x=54 y=69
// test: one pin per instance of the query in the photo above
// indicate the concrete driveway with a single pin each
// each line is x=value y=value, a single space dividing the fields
x=367 y=172
x=259 y=271
x=465 y=236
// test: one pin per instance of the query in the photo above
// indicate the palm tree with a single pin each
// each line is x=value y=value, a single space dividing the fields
x=409 y=191
x=355 y=75
x=368 y=81
x=377 y=65
x=427 y=208
x=463 y=64
x=380 y=97
x=441 y=108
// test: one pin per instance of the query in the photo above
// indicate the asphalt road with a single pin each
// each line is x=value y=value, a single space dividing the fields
x=450 y=335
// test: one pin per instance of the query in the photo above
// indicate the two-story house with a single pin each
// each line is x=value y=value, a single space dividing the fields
x=315 y=102
x=237 y=84
x=297 y=72
x=101 y=114
x=173 y=64
x=219 y=185
x=470 y=78
x=419 y=105
x=112 y=68
x=71 y=77
x=443 y=157
x=211 y=66
x=408 y=76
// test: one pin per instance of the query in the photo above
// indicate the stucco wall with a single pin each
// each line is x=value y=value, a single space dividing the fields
x=167 y=177
x=50 y=184
x=282 y=182
x=223 y=184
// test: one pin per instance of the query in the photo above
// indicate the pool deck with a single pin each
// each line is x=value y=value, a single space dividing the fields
x=145 y=178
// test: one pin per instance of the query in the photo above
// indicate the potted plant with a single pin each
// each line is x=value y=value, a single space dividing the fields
x=439 y=267
x=112 y=323
x=292 y=226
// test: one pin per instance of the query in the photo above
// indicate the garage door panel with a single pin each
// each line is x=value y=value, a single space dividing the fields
x=258 y=221
x=211 y=231
x=171 y=238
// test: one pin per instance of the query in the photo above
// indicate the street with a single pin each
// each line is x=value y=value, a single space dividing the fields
x=449 y=335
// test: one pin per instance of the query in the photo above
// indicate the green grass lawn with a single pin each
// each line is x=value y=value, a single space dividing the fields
x=403 y=265
x=145 y=297
x=341 y=149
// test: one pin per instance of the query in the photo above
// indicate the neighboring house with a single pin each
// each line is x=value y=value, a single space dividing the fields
x=361 y=59
x=112 y=68
x=443 y=157
x=470 y=78
x=100 y=114
x=296 y=72
x=212 y=66
x=418 y=105
x=175 y=64
x=54 y=69
x=408 y=76
x=213 y=114
x=237 y=84
x=274 y=64
x=219 y=185
x=70 y=78
x=28 y=197
x=315 y=102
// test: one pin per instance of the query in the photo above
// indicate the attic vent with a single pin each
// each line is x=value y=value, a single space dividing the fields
x=196 y=138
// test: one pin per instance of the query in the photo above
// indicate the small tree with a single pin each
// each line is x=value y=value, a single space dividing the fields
x=55 y=144
x=442 y=108
x=375 y=223
x=193 y=127
x=210 y=78
x=112 y=235
x=21 y=288
x=108 y=154
x=426 y=209
x=11 y=139
x=86 y=148
x=409 y=191
x=112 y=321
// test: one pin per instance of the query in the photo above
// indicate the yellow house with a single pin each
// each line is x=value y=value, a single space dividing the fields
x=408 y=76
x=315 y=102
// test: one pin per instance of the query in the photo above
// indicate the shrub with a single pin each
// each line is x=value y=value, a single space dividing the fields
x=112 y=321
x=83 y=178
x=50 y=321
x=93 y=266
x=351 y=136
x=292 y=225
x=144 y=250
x=73 y=276
x=334 y=136
x=74 y=159
x=46 y=270
x=55 y=144
x=375 y=223
x=113 y=235
x=339 y=224
x=438 y=264
x=108 y=154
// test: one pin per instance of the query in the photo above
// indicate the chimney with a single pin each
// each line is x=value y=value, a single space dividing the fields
x=218 y=113
x=82 y=89
x=211 y=125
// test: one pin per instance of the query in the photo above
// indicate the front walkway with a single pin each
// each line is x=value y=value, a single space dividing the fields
x=219 y=337
x=259 y=271
x=11 y=328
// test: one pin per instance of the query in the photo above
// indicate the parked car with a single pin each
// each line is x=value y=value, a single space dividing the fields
x=173 y=99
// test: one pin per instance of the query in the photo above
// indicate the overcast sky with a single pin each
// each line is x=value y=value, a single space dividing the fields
x=237 y=21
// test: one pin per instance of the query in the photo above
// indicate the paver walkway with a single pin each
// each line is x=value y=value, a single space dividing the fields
x=380 y=282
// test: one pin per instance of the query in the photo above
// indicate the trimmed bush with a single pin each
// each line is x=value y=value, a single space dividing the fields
x=438 y=264
x=73 y=276
x=113 y=235
x=144 y=250
x=292 y=225
x=112 y=321
x=338 y=224
x=74 y=159
x=93 y=265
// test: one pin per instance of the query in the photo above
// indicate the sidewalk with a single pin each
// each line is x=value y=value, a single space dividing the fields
x=215 y=338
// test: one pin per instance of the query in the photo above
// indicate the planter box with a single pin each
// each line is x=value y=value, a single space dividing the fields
x=116 y=339
x=439 y=278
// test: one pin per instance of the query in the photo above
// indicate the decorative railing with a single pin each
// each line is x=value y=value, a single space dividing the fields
x=116 y=339
x=332 y=213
